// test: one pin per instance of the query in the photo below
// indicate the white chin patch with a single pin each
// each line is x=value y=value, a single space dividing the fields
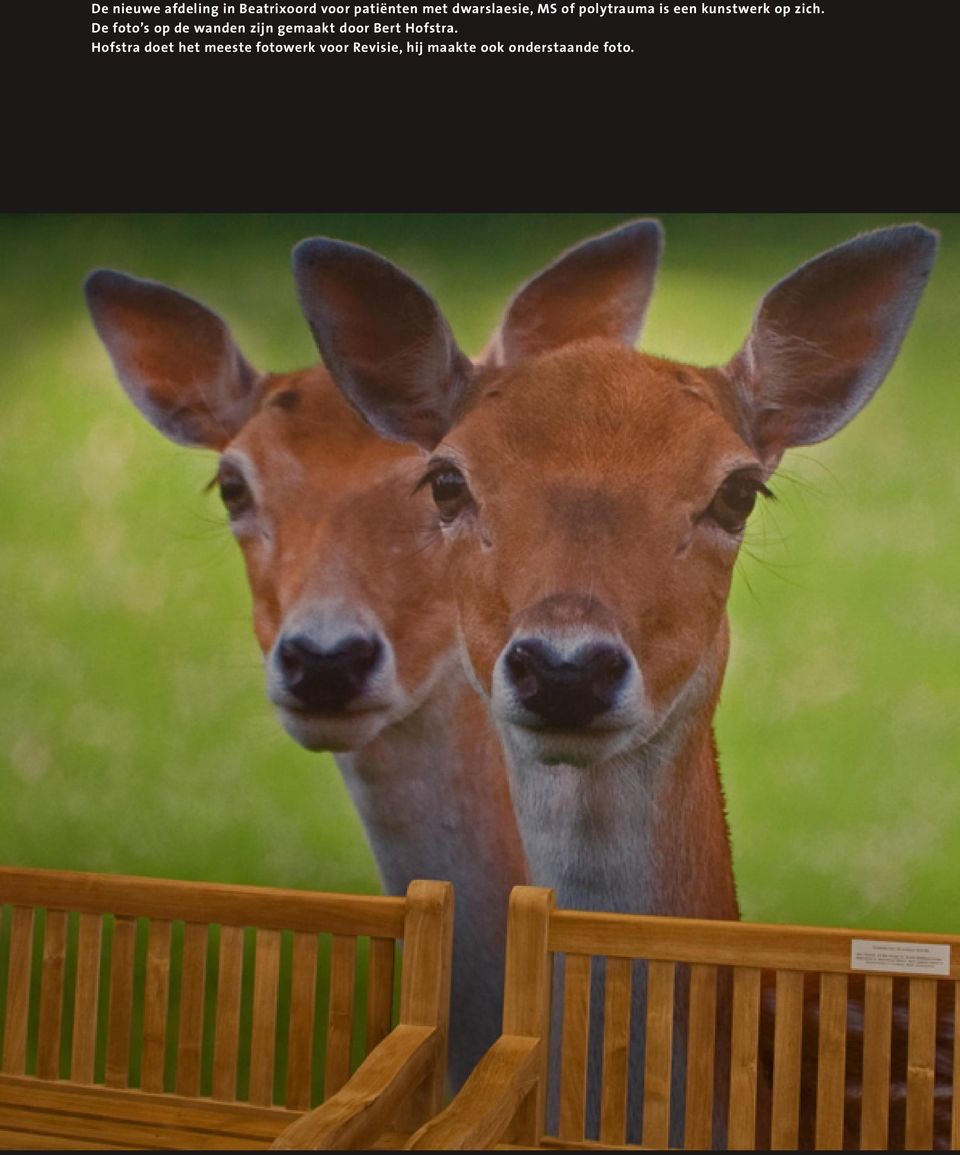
x=582 y=749
x=348 y=732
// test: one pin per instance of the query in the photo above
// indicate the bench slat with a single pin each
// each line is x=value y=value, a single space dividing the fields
x=303 y=996
x=51 y=994
x=127 y=1134
x=831 y=1060
x=120 y=1007
x=787 y=1054
x=87 y=998
x=343 y=957
x=720 y=942
x=921 y=1058
x=701 y=1043
x=266 y=977
x=16 y=1140
x=18 y=991
x=616 y=1050
x=226 y=1035
x=210 y=902
x=658 y=1053
x=192 y=990
x=380 y=979
x=744 y=1043
x=877 y=1020
x=28 y=1093
x=70 y=1115
x=576 y=1028
x=156 y=1005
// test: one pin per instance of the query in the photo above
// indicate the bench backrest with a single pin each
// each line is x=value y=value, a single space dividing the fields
x=815 y=1047
x=200 y=988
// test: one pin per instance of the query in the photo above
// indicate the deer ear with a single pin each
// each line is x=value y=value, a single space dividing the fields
x=824 y=338
x=174 y=357
x=383 y=339
x=600 y=288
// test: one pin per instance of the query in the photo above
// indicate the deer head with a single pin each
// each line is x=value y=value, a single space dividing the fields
x=594 y=498
x=348 y=608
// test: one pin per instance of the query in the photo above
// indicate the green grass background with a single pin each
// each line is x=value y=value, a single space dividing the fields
x=134 y=732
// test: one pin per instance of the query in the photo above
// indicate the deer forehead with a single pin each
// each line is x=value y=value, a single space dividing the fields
x=596 y=431
x=309 y=449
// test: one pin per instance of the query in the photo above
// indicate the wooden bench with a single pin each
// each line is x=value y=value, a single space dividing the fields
x=808 y=1053
x=143 y=1013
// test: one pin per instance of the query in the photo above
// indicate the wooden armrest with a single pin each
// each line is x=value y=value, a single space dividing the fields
x=365 y=1104
x=488 y=1101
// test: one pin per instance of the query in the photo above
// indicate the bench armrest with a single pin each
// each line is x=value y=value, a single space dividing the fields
x=482 y=1112
x=365 y=1104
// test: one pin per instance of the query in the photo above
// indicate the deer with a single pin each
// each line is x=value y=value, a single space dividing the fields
x=350 y=609
x=592 y=499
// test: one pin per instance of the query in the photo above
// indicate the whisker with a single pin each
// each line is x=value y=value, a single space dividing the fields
x=773 y=568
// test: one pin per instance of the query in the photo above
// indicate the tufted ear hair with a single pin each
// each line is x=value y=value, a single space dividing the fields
x=824 y=338
x=599 y=288
x=383 y=339
x=174 y=357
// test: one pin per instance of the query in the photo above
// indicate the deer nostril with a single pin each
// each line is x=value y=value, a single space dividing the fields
x=359 y=655
x=290 y=657
x=608 y=668
x=521 y=662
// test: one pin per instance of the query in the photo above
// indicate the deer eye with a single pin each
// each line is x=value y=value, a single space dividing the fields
x=734 y=501
x=234 y=491
x=451 y=494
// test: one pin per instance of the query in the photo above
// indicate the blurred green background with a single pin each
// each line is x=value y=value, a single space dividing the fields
x=134 y=731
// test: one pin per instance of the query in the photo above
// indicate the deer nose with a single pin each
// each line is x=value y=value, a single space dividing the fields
x=566 y=692
x=327 y=679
